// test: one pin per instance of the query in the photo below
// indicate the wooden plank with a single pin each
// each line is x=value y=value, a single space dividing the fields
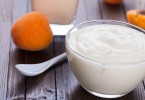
x=67 y=86
x=63 y=80
x=81 y=13
x=16 y=82
x=92 y=9
x=134 y=4
x=112 y=12
x=41 y=87
x=4 y=58
x=136 y=94
x=5 y=17
x=5 y=10
x=87 y=10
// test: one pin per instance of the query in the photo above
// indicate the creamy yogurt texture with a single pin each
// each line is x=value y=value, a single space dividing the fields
x=109 y=44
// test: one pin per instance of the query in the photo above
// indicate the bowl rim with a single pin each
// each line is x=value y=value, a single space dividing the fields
x=106 y=21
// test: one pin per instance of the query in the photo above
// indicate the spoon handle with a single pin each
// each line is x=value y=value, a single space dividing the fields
x=53 y=61
x=58 y=59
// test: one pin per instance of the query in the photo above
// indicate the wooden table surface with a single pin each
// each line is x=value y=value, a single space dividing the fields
x=57 y=83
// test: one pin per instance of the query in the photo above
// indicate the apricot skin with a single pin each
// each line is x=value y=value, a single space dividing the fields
x=140 y=21
x=131 y=16
x=136 y=17
x=32 y=32
x=113 y=1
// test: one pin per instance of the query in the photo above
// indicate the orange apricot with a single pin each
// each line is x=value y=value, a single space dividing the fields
x=32 y=32
x=114 y=1
x=136 y=17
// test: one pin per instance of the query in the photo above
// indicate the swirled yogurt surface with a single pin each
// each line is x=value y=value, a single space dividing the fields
x=109 y=43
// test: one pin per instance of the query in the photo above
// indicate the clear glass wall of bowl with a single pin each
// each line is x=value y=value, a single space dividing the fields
x=108 y=80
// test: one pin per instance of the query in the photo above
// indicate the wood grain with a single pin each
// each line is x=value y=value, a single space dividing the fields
x=92 y=9
x=16 y=81
x=111 y=12
x=68 y=87
x=81 y=13
x=5 y=24
x=134 y=4
x=41 y=87
x=63 y=80
x=5 y=10
x=136 y=94
x=4 y=58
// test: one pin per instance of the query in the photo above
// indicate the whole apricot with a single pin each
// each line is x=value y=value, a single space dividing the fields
x=113 y=1
x=32 y=32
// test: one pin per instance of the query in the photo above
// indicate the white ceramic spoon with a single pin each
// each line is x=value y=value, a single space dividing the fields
x=36 y=69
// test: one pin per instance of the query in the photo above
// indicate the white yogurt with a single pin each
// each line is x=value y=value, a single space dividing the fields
x=109 y=44
x=107 y=59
